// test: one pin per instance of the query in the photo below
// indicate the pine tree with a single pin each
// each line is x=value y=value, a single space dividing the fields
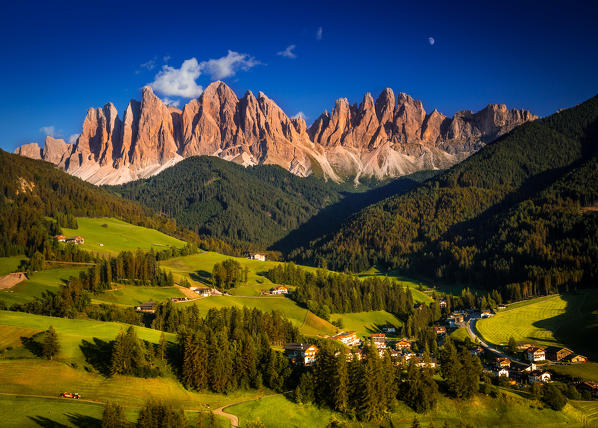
x=340 y=384
x=162 y=346
x=114 y=416
x=50 y=345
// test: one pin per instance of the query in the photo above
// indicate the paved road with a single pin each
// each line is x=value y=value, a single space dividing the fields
x=473 y=333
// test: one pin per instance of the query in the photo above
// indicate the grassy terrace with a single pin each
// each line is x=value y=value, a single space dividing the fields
x=10 y=264
x=563 y=320
x=118 y=236
x=366 y=323
x=133 y=295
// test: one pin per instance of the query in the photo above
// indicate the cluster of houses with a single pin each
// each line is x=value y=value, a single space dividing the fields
x=504 y=367
x=77 y=240
x=551 y=353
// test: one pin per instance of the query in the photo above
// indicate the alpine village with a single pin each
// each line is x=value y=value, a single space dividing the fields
x=207 y=258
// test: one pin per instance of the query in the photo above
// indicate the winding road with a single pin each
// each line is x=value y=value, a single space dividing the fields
x=473 y=333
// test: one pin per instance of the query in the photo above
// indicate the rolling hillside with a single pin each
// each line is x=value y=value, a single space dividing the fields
x=519 y=211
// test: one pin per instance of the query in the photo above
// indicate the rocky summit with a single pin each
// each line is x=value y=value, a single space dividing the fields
x=387 y=137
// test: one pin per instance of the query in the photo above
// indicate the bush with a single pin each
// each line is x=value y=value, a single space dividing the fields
x=553 y=397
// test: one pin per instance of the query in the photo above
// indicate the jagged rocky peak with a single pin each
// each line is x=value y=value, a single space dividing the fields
x=385 y=137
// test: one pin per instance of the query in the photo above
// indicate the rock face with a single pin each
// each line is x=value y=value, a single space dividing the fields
x=386 y=137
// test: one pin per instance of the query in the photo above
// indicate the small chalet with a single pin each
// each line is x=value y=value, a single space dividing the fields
x=535 y=354
x=529 y=368
x=502 y=363
x=430 y=364
x=555 y=353
x=205 y=292
x=355 y=353
x=576 y=359
x=486 y=313
x=60 y=238
x=281 y=289
x=301 y=354
x=522 y=346
x=442 y=302
x=349 y=338
x=538 y=376
x=403 y=345
x=590 y=386
x=388 y=329
x=258 y=256
x=440 y=330
x=149 y=307
x=379 y=340
x=501 y=307
x=476 y=350
x=179 y=299
x=456 y=319
x=77 y=240
x=501 y=372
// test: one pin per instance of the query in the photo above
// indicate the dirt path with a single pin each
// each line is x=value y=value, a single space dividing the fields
x=12 y=279
x=234 y=420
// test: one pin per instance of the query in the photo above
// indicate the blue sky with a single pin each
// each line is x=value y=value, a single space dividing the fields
x=61 y=58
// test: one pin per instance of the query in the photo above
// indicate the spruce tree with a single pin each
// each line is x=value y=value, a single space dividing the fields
x=50 y=345
x=114 y=416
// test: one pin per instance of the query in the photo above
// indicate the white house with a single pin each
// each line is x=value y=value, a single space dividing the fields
x=538 y=376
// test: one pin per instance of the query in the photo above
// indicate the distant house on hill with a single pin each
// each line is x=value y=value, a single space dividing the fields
x=149 y=307
x=522 y=346
x=77 y=240
x=281 y=289
x=535 y=354
x=403 y=345
x=440 y=330
x=576 y=359
x=60 y=238
x=456 y=319
x=501 y=372
x=538 y=376
x=486 y=313
x=301 y=354
x=388 y=329
x=179 y=299
x=555 y=353
x=258 y=256
x=476 y=350
x=379 y=340
x=202 y=291
x=442 y=302
x=502 y=362
x=349 y=338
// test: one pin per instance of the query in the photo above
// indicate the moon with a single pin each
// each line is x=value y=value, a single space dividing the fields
x=431 y=41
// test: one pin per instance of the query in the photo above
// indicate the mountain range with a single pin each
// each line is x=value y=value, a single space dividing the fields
x=387 y=137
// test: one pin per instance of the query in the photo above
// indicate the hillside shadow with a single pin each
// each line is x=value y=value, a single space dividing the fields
x=42 y=421
x=577 y=327
x=329 y=219
x=98 y=353
x=202 y=276
x=84 y=421
x=32 y=345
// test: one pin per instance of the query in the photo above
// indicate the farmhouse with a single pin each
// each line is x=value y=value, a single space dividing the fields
x=538 y=376
x=301 y=354
x=502 y=363
x=442 y=302
x=555 y=353
x=576 y=359
x=590 y=386
x=204 y=291
x=535 y=354
x=388 y=329
x=422 y=363
x=77 y=240
x=476 y=350
x=440 y=330
x=281 y=289
x=349 y=338
x=149 y=307
x=522 y=346
x=403 y=345
x=258 y=256
x=179 y=299
x=486 y=313
x=456 y=319
x=501 y=372
x=60 y=238
x=379 y=340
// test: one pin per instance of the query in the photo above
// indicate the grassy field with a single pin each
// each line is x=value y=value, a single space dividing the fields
x=45 y=280
x=366 y=323
x=72 y=332
x=132 y=295
x=417 y=287
x=118 y=236
x=587 y=371
x=10 y=264
x=563 y=320
x=481 y=411
x=308 y=324
x=588 y=412
x=459 y=334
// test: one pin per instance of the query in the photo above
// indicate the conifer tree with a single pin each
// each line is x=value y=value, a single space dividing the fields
x=114 y=416
x=50 y=345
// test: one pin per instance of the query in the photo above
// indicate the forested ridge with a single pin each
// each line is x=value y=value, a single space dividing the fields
x=514 y=213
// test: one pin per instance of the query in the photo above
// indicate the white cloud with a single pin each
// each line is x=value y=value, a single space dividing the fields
x=166 y=58
x=149 y=65
x=288 y=52
x=50 y=131
x=431 y=41
x=228 y=65
x=73 y=138
x=319 y=33
x=171 y=102
x=181 y=82
x=300 y=115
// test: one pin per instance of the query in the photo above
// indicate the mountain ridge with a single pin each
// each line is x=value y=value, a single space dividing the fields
x=382 y=138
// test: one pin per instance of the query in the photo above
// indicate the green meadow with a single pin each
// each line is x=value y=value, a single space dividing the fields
x=10 y=264
x=133 y=295
x=45 y=280
x=559 y=320
x=366 y=323
x=586 y=371
x=117 y=236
